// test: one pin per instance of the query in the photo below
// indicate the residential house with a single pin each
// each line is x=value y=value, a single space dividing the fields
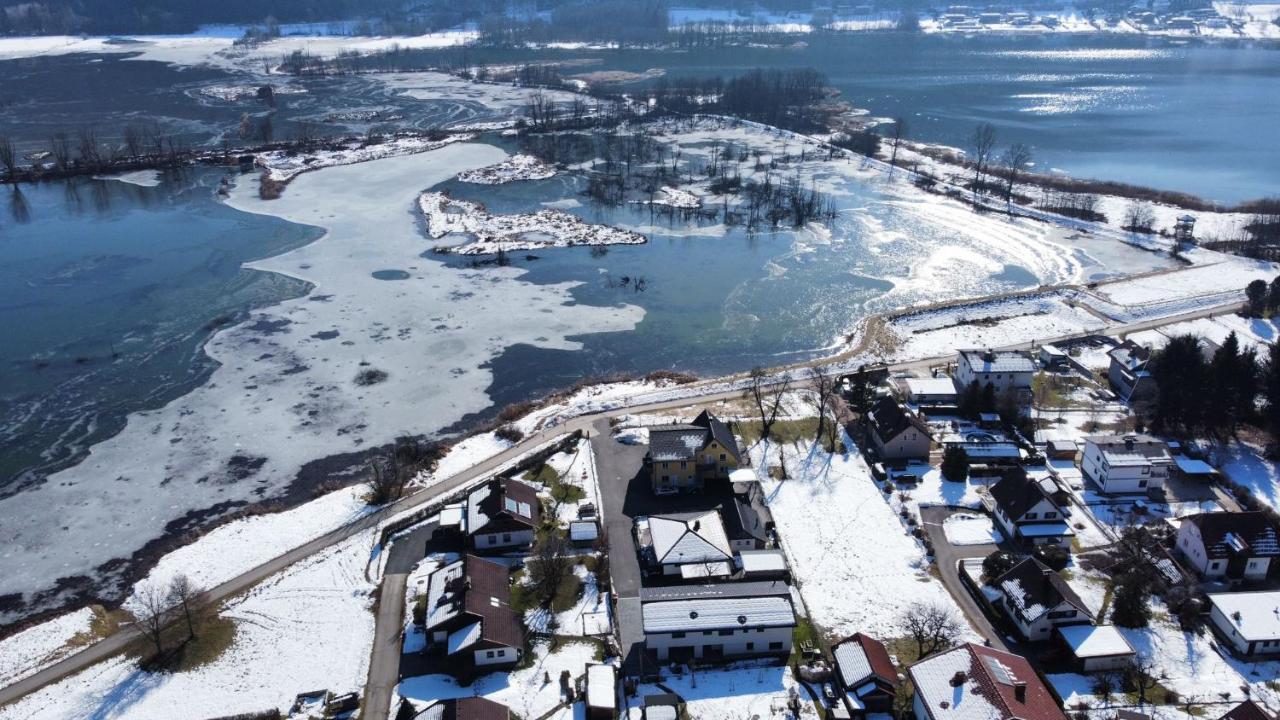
x=713 y=622
x=1229 y=546
x=1248 y=621
x=503 y=514
x=1030 y=512
x=691 y=545
x=972 y=681
x=763 y=564
x=1128 y=372
x=1053 y=357
x=683 y=458
x=664 y=706
x=1003 y=370
x=1248 y=710
x=1126 y=464
x=1038 y=600
x=748 y=521
x=469 y=708
x=602 y=692
x=1097 y=648
x=867 y=679
x=992 y=453
x=930 y=391
x=468 y=613
x=897 y=433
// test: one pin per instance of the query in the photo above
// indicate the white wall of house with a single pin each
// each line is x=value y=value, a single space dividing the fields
x=1042 y=627
x=918 y=706
x=1001 y=381
x=1106 y=662
x=486 y=541
x=1238 y=642
x=1191 y=545
x=737 y=642
x=497 y=656
x=1122 y=478
x=910 y=443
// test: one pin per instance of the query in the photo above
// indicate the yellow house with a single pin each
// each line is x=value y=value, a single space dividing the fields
x=682 y=458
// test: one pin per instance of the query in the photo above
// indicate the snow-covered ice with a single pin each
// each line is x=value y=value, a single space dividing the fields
x=514 y=168
x=487 y=233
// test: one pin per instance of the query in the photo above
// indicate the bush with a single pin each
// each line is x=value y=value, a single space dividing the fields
x=1055 y=556
x=998 y=563
x=370 y=376
x=510 y=433
x=955 y=464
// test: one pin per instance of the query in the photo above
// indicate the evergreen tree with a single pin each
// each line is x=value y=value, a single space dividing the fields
x=971 y=401
x=1271 y=388
x=1256 y=291
x=862 y=391
x=1273 y=296
x=988 y=402
x=955 y=464
x=1220 y=402
x=1179 y=372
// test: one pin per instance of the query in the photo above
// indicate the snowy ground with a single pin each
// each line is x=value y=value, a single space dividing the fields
x=40 y=646
x=970 y=529
x=739 y=692
x=306 y=628
x=283 y=166
x=1245 y=465
x=516 y=167
x=589 y=615
x=577 y=467
x=488 y=233
x=521 y=690
x=285 y=393
x=854 y=562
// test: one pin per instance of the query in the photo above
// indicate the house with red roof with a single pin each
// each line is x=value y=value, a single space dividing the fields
x=468 y=613
x=973 y=682
x=865 y=675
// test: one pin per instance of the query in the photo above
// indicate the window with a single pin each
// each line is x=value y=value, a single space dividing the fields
x=1142 y=483
x=706 y=632
x=723 y=457
x=751 y=646
x=684 y=465
x=1031 y=516
x=506 y=537
x=1050 y=515
x=1058 y=614
x=775 y=646
x=677 y=635
x=725 y=633
x=488 y=653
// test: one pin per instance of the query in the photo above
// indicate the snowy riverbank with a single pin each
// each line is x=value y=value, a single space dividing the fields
x=506 y=233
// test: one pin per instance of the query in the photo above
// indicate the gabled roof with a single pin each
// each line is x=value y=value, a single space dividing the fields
x=1130 y=450
x=1228 y=534
x=1016 y=495
x=1130 y=355
x=683 y=442
x=1035 y=589
x=1247 y=710
x=999 y=361
x=861 y=658
x=972 y=682
x=470 y=708
x=891 y=419
x=747 y=516
x=500 y=504
x=689 y=538
x=488 y=596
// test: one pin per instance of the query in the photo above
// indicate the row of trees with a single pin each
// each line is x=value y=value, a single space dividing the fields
x=86 y=150
x=1199 y=395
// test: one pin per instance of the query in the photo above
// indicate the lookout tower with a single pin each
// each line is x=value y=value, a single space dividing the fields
x=1184 y=230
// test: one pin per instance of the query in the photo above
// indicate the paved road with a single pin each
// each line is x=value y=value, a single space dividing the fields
x=947 y=557
x=384 y=661
x=117 y=642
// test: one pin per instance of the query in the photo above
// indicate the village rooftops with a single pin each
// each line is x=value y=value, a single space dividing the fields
x=685 y=538
x=471 y=708
x=1035 y=589
x=891 y=419
x=1247 y=710
x=1131 y=356
x=717 y=614
x=1254 y=615
x=931 y=387
x=1226 y=535
x=669 y=443
x=999 y=361
x=1015 y=495
x=1130 y=450
x=972 y=682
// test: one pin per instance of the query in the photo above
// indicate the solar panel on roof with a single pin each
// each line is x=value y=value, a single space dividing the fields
x=509 y=504
x=999 y=671
x=525 y=510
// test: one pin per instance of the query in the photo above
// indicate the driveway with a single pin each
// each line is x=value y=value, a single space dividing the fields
x=948 y=558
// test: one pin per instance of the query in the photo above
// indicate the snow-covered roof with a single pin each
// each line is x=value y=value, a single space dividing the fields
x=464 y=638
x=475 y=513
x=689 y=538
x=1087 y=641
x=931 y=386
x=452 y=515
x=717 y=614
x=1259 y=613
x=583 y=530
x=1001 y=361
x=763 y=560
x=743 y=475
x=660 y=712
x=1131 y=450
x=1193 y=467
x=971 y=682
x=1046 y=529
x=442 y=604
x=602 y=689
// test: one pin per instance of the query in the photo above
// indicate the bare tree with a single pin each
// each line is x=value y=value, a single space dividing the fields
x=899 y=134
x=1016 y=159
x=184 y=593
x=550 y=565
x=7 y=157
x=931 y=626
x=982 y=142
x=1142 y=677
x=133 y=140
x=87 y=146
x=60 y=148
x=768 y=403
x=1139 y=217
x=824 y=385
x=386 y=480
x=151 y=598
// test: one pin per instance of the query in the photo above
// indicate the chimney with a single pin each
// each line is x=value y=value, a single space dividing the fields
x=1020 y=692
x=697 y=525
x=1128 y=442
x=958 y=679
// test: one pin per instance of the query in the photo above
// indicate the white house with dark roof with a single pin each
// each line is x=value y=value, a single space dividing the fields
x=1038 y=600
x=1127 y=371
x=1097 y=648
x=502 y=514
x=713 y=622
x=1126 y=464
x=896 y=432
x=1229 y=546
x=1030 y=511
x=1003 y=370
x=1248 y=621
x=468 y=614
x=692 y=545
x=972 y=682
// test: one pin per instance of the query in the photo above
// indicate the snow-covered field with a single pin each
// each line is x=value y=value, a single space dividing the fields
x=285 y=165
x=488 y=233
x=306 y=628
x=39 y=646
x=853 y=560
x=285 y=392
